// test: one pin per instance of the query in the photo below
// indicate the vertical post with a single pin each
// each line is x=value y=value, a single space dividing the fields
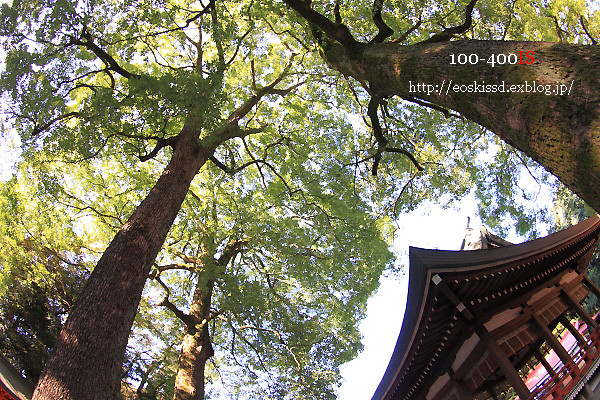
x=583 y=343
x=541 y=326
x=509 y=370
x=538 y=356
x=592 y=325
x=591 y=285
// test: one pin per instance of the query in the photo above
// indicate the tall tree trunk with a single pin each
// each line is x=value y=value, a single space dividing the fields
x=560 y=131
x=196 y=348
x=86 y=362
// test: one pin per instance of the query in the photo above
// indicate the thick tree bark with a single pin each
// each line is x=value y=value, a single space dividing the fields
x=560 y=130
x=196 y=348
x=86 y=362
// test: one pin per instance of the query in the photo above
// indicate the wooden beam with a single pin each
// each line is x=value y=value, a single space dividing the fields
x=542 y=360
x=543 y=329
x=591 y=285
x=509 y=370
x=591 y=323
x=452 y=297
x=583 y=343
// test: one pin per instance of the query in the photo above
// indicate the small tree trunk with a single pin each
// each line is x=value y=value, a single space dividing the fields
x=196 y=348
x=87 y=360
x=555 y=119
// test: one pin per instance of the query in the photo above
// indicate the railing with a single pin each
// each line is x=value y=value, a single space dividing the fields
x=568 y=376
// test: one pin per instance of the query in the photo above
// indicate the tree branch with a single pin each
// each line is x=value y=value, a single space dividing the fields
x=405 y=35
x=236 y=333
x=233 y=171
x=160 y=144
x=336 y=12
x=448 y=33
x=245 y=108
x=281 y=340
x=168 y=267
x=188 y=21
x=88 y=42
x=232 y=129
x=559 y=30
x=338 y=32
x=189 y=320
x=37 y=130
x=407 y=154
x=372 y=109
x=384 y=30
x=581 y=20
x=444 y=111
x=231 y=250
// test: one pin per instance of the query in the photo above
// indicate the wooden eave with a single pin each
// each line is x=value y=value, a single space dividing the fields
x=486 y=281
x=12 y=382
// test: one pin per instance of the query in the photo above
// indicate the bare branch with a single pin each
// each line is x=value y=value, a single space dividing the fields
x=582 y=21
x=160 y=144
x=444 y=111
x=407 y=154
x=40 y=129
x=163 y=268
x=405 y=35
x=448 y=33
x=384 y=30
x=338 y=32
x=87 y=41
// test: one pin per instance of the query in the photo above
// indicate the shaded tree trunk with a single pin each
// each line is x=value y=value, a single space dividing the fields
x=560 y=131
x=196 y=348
x=86 y=361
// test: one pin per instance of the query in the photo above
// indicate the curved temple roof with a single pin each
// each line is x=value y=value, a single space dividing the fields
x=485 y=281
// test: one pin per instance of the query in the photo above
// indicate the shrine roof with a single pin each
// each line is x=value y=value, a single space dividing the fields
x=12 y=382
x=483 y=280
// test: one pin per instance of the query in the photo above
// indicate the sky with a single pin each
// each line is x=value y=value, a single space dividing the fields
x=427 y=227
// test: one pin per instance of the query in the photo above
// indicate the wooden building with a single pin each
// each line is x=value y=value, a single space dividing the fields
x=476 y=322
x=12 y=385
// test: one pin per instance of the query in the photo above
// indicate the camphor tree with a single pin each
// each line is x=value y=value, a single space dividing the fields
x=103 y=87
x=272 y=286
x=193 y=82
x=278 y=285
x=398 y=52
